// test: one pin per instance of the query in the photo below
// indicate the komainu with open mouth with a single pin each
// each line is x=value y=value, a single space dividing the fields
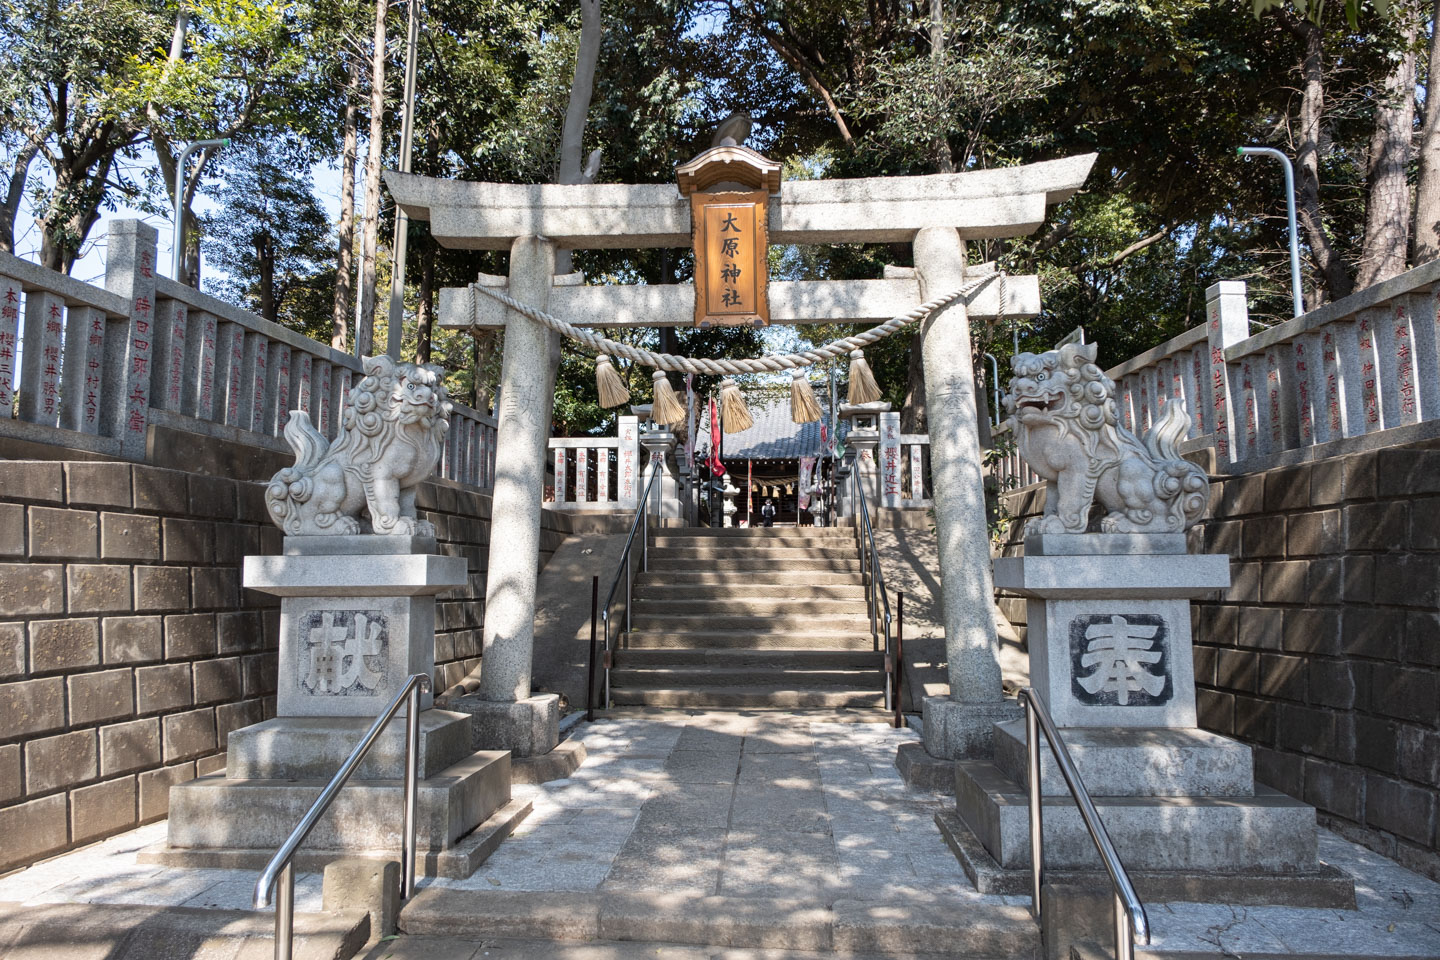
x=392 y=431
x=1062 y=409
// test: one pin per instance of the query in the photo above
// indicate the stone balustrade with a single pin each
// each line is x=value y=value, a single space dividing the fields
x=1300 y=390
x=597 y=473
x=98 y=367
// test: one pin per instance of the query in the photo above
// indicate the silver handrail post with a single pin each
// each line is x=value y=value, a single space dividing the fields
x=412 y=789
x=285 y=913
x=280 y=870
x=1037 y=823
x=1124 y=933
x=606 y=617
x=1131 y=923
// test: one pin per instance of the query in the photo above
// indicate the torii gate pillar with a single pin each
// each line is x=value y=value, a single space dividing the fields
x=507 y=717
x=958 y=726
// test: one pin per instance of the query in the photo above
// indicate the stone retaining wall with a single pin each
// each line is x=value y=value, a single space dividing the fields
x=1325 y=652
x=129 y=650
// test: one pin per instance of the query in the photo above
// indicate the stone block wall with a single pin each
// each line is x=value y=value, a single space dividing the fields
x=128 y=648
x=1325 y=652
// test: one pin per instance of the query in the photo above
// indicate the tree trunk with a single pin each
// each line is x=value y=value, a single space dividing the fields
x=1387 y=210
x=486 y=342
x=265 y=258
x=912 y=412
x=1427 y=194
x=345 y=252
x=940 y=146
x=425 y=314
x=1333 y=276
x=582 y=86
x=16 y=189
x=365 y=325
x=74 y=208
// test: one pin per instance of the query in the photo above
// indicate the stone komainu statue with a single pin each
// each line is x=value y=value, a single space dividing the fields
x=391 y=433
x=1062 y=409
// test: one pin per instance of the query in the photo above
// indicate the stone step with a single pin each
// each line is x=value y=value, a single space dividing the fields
x=801 y=588
x=748 y=639
x=750 y=607
x=996 y=810
x=763 y=533
x=732 y=577
x=823 y=564
x=1092 y=951
x=68 y=931
x=770 y=659
x=710 y=677
x=451 y=803
x=723 y=551
x=646 y=620
x=457 y=862
x=767 y=695
x=859 y=929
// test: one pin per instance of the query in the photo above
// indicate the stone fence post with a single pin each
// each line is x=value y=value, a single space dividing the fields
x=130 y=273
x=1227 y=322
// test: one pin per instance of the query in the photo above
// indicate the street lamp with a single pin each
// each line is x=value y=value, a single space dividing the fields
x=1299 y=301
x=179 y=240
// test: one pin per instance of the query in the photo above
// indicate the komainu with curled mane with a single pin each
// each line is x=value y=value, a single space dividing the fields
x=391 y=433
x=1062 y=409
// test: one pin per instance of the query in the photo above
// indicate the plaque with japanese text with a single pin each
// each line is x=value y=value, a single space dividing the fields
x=731 y=258
x=730 y=187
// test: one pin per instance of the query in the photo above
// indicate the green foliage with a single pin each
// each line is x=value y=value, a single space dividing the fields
x=271 y=241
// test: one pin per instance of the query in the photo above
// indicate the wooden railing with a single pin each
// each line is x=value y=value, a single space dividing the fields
x=98 y=367
x=1367 y=363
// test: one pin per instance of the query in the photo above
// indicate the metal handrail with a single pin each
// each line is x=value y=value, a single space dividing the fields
x=1130 y=918
x=281 y=867
x=641 y=523
x=879 y=612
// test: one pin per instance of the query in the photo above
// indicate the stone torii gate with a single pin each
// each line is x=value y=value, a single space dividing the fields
x=937 y=214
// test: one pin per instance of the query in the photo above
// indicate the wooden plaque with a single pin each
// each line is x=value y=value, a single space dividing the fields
x=732 y=261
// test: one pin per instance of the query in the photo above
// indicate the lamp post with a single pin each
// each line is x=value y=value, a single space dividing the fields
x=178 y=254
x=396 y=330
x=1299 y=301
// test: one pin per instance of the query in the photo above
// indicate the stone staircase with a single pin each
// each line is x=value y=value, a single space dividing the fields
x=745 y=618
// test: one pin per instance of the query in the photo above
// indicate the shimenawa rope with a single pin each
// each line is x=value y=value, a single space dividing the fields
x=786 y=361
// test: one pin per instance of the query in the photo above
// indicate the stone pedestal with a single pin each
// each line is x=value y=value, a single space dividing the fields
x=1111 y=658
x=357 y=619
x=527 y=728
x=665 y=498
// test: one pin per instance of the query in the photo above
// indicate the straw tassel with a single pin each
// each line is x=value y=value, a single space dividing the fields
x=733 y=411
x=863 y=388
x=667 y=408
x=613 y=391
x=803 y=406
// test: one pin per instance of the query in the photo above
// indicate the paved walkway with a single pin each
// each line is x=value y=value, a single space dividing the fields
x=759 y=805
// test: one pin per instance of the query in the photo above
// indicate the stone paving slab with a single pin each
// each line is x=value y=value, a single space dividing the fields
x=630 y=822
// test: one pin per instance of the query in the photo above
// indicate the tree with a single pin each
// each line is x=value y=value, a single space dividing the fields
x=374 y=149
x=232 y=68
x=1427 y=191
x=271 y=238
x=345 y=231
x=66 y=72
